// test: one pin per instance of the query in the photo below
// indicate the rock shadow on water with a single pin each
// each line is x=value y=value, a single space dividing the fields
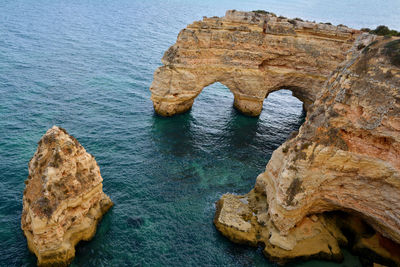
x=179 y=136
x=242 y=134
x=85 y=250
x=174 y=135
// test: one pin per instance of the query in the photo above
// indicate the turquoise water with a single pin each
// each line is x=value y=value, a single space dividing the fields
x=87 y=66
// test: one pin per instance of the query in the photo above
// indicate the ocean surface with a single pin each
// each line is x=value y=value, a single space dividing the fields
x=86 y=65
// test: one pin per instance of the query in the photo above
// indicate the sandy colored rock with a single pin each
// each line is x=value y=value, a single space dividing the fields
x=347 y=153
x=245 y=220
x=346 y=157
x=251 y=53
x=63 y=199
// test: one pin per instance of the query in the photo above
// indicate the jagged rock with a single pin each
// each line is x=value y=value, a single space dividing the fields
x=346 y=157
x=347 y=153
x=253 y=54
x=63 y=199
x=249 y=223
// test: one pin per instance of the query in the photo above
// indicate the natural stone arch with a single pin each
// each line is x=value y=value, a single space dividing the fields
x=346 y=155
x=253 y=55
x=184 y=85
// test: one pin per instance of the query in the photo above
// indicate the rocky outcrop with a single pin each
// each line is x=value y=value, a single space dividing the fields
x=253 y=54
x=245 y=219
x=63 y=199
x=345 y=157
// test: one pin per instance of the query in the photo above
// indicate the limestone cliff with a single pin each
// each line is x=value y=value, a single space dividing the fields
x=345 y=157
x=63 y=199
x=347 y=154
x=253 y=54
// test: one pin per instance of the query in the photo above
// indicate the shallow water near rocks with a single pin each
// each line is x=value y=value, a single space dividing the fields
x=87 y=66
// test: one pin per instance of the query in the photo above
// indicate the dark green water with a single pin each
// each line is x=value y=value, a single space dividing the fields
x=87 y=66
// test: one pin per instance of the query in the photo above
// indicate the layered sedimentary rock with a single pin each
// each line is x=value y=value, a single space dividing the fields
x=345 y=157
x=63 y=199
x=253 y=54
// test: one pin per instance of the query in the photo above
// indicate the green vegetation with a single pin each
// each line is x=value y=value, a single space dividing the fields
x=382 y=30
x=300 y=156
x=305 y=145
x=259 y=11
x=392 y=51
x=44 y=205
x=293 y=190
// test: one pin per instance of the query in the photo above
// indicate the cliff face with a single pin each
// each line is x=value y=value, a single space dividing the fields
x=345 y=157
x=63 y=199
x=347 y=154
x=251 y=53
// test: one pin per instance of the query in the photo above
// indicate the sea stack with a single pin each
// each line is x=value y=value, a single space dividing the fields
x=63 y=199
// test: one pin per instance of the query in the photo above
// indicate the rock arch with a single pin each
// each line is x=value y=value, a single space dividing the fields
x=251 y=53
x=346 y=154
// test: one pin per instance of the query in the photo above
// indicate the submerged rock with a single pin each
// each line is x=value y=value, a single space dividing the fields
x=63 y=200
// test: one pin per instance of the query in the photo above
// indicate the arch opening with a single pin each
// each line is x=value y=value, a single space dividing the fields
x=283 y=114
x=298 y=92
x=219 y=94
x=215 y=98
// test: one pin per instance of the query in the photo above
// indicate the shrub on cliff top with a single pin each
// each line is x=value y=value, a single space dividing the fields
x=382 y=30
x=259 y=11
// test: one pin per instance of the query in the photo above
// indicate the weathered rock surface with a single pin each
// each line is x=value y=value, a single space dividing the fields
x=346 y=157
x=347 y=154
x=63 y=199
x=251 y=53
x=245 y=220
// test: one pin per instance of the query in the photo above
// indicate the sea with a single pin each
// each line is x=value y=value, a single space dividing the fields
x=87 y=65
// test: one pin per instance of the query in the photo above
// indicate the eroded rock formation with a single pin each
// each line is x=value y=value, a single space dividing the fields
x=63 y=199
x=345 y=157
x=251 y=53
